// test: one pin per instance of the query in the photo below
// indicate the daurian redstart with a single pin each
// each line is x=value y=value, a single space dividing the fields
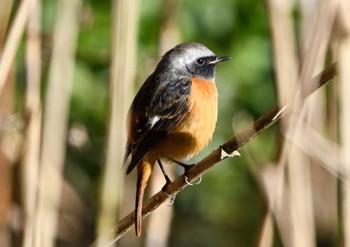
x=173 y=115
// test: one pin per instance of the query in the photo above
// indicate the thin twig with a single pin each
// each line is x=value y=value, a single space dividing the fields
x=242 y=138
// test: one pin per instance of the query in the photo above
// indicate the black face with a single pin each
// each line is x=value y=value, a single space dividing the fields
x=203 y=67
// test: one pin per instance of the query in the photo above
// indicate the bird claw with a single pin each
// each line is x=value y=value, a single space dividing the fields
x=190 y=184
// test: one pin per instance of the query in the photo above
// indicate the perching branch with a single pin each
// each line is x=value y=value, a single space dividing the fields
x=242 y=138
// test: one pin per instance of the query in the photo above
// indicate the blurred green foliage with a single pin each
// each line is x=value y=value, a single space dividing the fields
x=226 y=209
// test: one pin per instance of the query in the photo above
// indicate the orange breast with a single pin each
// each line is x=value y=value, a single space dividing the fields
x=196 y=130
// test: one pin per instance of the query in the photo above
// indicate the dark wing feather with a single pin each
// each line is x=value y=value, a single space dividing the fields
x=168 y=104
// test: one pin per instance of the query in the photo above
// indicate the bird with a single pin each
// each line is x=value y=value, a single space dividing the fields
x=173 y=115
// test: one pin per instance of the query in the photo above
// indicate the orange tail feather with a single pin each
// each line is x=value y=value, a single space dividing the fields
x=144 y=172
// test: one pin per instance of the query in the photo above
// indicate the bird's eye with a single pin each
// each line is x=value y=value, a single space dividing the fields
x=200 y=61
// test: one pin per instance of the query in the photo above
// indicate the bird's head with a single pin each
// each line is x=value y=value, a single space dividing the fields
x=191 y=60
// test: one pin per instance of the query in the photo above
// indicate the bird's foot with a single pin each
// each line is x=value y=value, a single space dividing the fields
x=196 y=183
x=187 y=169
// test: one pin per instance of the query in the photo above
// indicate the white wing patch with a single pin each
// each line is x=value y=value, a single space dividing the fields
x=153 y=120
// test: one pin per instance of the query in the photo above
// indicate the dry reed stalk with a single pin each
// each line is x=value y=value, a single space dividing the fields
x=324 y=185
x=55 y=122
x=329 y=154
x=286 y=63
x=266 y=238
x=302 y=220
x=6 y=167
x=344 y=86
x=124 y=14
x=5 y=12
x=6 y=191
x=314 y=46
x=31 y=153
x=283 y=38
x=15 y=34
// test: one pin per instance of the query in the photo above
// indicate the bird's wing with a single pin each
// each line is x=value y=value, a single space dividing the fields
x=154 y=117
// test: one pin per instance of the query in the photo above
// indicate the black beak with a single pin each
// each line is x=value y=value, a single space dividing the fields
x=220 y=59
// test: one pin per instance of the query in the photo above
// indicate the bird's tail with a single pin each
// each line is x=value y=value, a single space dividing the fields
x=144 y=170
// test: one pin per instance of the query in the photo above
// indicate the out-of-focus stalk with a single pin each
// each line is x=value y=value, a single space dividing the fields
x=6 y=108
x=5 y=12
x=344 y=86
x=15 y=34
x=31 y=153
x=124 y=42
x=286 y=65
x=55 y=122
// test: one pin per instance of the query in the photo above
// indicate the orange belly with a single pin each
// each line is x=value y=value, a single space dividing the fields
x=196 y=129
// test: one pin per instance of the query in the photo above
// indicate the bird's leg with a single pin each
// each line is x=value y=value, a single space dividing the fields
x=187 y=168
x=167 y=179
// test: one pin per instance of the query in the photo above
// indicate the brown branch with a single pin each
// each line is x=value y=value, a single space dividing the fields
x=242 y=138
